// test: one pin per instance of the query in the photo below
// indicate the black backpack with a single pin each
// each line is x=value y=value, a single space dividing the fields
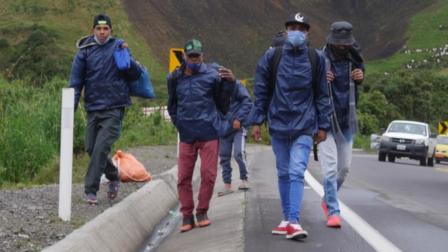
x=275 y=60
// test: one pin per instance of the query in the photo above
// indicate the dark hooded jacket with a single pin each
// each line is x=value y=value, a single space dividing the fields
x=341 y=83
x=296 y=107
x=196 y=103
x=94 y=70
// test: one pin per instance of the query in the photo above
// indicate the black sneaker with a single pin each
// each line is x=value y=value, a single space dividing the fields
x=187 y=224
x=113 y=189
x=202 y=219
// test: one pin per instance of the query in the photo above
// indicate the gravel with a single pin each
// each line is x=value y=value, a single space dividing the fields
x=29 y=217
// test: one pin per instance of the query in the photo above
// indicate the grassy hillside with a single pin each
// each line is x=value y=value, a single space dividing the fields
x=69 y=20
x=236 y=33
x=426 y=43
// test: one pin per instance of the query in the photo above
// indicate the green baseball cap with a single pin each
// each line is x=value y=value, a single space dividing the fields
x=193 y=46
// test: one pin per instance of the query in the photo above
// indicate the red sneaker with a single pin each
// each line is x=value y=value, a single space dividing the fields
x=334 y=221
x=296 y=232
x=325 y=208
x=281 y=228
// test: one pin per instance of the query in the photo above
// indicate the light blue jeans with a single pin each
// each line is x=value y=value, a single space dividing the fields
x=291 y=160
x=335 y=155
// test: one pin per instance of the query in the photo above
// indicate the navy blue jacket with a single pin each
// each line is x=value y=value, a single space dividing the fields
x=95 y=71
x=240 y=104
x=194 y=100
x=296 y=107
x=341 y=86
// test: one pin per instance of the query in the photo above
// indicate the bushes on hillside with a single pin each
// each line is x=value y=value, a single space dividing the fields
x=413 y=95
x=36 y=59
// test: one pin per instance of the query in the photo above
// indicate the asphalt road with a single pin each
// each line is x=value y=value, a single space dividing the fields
x=406 y=205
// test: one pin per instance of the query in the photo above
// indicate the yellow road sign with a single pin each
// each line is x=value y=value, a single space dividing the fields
x=442 y=127
x=176 y=58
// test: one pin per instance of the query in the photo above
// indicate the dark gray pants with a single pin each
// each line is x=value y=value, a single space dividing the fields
x=238 y=141
x=103 y=129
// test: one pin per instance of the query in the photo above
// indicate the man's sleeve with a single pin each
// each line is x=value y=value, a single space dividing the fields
x=244 y=102
x=322 y=100
x=261 y=89
x=77 y=77
x=172 y=99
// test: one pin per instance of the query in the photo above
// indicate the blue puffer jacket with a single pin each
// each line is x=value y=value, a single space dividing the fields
x=341 y=86
x=94 y=69
x=194 y=101
x=296 y=108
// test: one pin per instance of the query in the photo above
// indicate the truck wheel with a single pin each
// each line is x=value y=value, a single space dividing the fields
x=431 y=161
x=381 y=156
x=391 y=158
x=423 y=161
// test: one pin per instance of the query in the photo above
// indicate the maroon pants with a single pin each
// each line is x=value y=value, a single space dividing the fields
x=188 y=153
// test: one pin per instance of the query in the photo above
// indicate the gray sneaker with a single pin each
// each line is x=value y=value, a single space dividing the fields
x=91 y=199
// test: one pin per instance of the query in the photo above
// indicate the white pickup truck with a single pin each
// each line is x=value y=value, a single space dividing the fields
x=407 y=139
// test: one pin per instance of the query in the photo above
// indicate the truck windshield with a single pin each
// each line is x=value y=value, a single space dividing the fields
x=408 y=128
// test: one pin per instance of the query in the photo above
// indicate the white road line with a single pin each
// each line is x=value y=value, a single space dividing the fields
x=367 y=232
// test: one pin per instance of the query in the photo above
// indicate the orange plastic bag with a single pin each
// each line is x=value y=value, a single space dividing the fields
x=131 y=170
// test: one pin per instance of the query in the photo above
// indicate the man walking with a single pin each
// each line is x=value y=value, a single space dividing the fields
x=345 y=72
x=106 y=94
x=240 y=108
x=198 y=93
x=291 y=93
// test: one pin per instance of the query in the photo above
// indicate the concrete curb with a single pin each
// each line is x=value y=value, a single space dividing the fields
x=127 y=225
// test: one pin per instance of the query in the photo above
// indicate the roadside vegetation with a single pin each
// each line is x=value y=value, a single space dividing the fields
x=37 y=46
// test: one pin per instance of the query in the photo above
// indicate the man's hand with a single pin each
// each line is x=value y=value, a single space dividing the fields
x=124 y=45
x=321 y=136
x=256 y=133
x=357 y=75
x=226 y=74
x=330 y=76
x=236 y=124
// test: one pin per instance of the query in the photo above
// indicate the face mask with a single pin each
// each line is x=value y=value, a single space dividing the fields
x=194 y=67
x=296 y=38
x=341 y=51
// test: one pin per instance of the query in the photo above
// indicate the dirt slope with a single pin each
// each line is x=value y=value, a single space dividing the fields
x=236 y=33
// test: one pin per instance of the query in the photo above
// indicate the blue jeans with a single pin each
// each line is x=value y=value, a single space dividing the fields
x=291 y=159
x=238 y=140
x=335 y=155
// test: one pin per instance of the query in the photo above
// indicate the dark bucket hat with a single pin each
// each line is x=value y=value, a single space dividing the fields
x=341 y=34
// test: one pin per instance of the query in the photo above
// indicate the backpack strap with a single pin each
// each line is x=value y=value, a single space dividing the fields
x=275 y=60
x=312 y=55
x=273 y=64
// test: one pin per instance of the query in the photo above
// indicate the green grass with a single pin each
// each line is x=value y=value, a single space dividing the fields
x=424 y=32
x=30 y=132
x=72 y=19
